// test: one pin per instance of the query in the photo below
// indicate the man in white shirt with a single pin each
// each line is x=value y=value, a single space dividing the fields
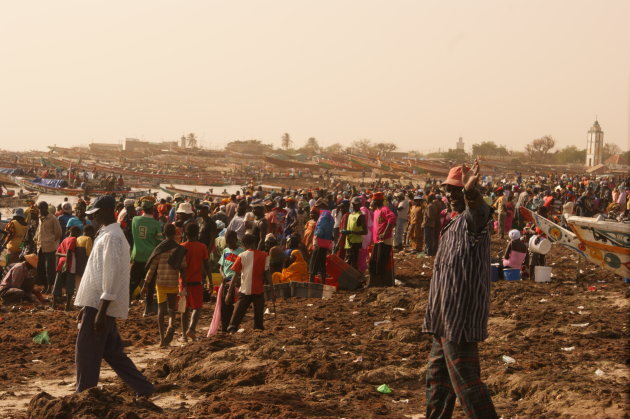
x=402 y=220
x=104 y=296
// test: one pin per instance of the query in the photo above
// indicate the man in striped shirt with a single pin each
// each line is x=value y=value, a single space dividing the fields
x=458 y=306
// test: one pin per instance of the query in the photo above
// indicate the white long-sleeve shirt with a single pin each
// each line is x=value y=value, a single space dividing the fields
x=106 y=275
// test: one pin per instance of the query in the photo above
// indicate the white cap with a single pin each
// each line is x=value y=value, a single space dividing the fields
x=185 y=208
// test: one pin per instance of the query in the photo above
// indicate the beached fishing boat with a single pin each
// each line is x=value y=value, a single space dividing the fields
x=7 y=175
x=289 y=164
x=16 y=202
x=171 y=190
x=605 y=243
x=48 y=186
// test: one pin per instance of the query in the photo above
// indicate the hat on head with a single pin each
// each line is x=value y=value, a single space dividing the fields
x=106 y=202
x=67 y=206
x=290 y=199
x=257 y=203
x=455 y=177
x=128 y=202
x=220 y=224
x=378 y=196
x=147 y=205
x=32 y=259
x=321 y=203
x=185 y=208
x=356 y=200
x=18 y=212
x=270 y=237
x=178 y=196
x=74 y=221
x=418 y=198
x=514 y=234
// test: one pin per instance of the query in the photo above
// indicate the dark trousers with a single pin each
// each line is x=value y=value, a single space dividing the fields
x=453 y=371
x=137 y=273
x=46 y=269
x=318 y=264
x=243 y=303
x=92 y=347
x=381 y=268
x=227 y=310
x=64 y=280
x=429 y=241
x=352 y=254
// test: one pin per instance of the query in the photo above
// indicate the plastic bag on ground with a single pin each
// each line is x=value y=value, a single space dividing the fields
x=384 y=388
x=42 y=338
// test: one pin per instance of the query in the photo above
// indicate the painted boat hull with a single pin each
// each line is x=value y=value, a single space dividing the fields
x=75 y=192
x=604 y=243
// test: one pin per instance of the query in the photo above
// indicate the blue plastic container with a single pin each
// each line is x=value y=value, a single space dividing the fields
x=494 y=271
x=512 y=274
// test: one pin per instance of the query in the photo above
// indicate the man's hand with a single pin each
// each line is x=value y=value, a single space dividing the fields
x=471 y=178
x=80 y=315
x=99 y=321
x=101 y=317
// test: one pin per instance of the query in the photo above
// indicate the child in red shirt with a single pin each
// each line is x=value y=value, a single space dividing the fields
x=251 y=273
x=196 y=271
x=66 y=268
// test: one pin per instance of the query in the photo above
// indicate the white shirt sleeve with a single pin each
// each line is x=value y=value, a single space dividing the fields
x=111 y=260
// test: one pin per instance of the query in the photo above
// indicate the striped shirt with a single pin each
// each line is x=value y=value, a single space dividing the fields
x=166 y=276
x=459 y=295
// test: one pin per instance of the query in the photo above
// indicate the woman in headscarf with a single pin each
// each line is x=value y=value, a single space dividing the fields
x=297 y=269
x=309 y=229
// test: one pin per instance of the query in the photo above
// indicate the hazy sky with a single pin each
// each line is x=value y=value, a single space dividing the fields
x=418 y=73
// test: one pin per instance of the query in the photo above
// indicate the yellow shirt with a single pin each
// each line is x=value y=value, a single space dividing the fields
x=18 y=232
x=85 y=241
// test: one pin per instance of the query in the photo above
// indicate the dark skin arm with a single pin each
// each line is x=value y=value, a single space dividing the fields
x=477 y=211
x=101 y=316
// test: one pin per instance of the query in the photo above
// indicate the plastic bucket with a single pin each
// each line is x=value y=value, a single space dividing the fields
x=494 y=273
x=512 y=274
x=542 y=274
x=542 y=247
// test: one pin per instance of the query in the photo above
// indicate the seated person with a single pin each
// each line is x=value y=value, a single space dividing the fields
x=515 y=252
x=296 y=271
x=18 y=283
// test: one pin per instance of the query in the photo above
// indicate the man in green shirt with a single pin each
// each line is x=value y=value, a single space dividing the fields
x=147 y=234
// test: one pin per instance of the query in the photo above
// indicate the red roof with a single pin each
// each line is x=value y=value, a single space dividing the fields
x=616 y=159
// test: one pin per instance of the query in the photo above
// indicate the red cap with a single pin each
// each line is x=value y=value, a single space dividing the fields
x=455 y=177
x=378 y=196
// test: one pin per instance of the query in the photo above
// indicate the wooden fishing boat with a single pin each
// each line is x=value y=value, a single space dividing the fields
x=605 y=243
x=194 y=194
x=51 y=190
x=289 y=164
x=15 y=201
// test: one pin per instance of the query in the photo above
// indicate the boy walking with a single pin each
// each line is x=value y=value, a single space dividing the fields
x=196 y=270
x=252 y=271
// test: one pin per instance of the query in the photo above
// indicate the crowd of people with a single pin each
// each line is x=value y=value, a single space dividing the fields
x=175 y=253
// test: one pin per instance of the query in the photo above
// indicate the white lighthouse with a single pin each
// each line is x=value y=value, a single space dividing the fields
x=594 y=145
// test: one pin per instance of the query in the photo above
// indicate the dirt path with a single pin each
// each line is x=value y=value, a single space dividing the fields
x=327 y=357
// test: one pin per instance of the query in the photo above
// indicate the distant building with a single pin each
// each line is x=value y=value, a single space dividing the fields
x=460 y=144
x=617 y=162
x=135 y=145
x=594 y=145
x=107 y=147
